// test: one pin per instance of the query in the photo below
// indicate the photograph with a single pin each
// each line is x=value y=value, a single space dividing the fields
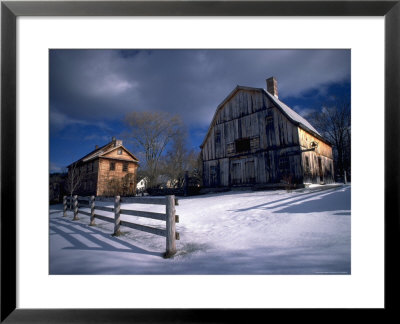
x=199 y=161
x=241 y=156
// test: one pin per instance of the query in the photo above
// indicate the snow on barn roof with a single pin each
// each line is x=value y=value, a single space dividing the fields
x=291 y=113
x=288 y=112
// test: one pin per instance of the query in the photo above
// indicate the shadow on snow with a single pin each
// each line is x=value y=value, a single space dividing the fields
x=337 y=200
x=84 y=237
x=334 y=199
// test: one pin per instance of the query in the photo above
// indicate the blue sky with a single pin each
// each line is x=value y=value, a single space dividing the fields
x=92 y=90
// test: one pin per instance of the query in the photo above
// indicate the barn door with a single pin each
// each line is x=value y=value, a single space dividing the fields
x=214 y=176
x=236 y=172
x=321 y=175
x=250 y=174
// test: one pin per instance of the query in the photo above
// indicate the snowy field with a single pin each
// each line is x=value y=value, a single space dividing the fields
x=306 y=231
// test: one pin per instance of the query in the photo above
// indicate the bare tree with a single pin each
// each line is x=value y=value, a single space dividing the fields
x=73 y=180
x=334 y=123
x=176 y=162
x=114 y=187
x=128 y=184
x=180 y=159
x=56 y=186
x=152 y=132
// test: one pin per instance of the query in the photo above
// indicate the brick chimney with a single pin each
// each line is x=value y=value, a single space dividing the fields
x=272 y=86
x=116 y=142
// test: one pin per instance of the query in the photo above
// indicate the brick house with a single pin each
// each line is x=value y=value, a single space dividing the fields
x=107 y=171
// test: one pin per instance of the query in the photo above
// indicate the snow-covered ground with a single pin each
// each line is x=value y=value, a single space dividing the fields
x=306 y=231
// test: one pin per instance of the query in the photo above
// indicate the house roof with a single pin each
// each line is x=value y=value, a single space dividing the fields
x=286 y=110
x=101 y=151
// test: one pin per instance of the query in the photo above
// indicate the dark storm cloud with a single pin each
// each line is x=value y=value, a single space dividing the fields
x=94 y=86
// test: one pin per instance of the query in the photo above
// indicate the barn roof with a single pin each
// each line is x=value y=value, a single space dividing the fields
x=286 y=110
x=113 y=145
x=294 y=116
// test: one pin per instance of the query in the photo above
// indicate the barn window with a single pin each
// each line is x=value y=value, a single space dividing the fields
x=112 y=166
x=119 y=152
x=242 y=145
x=269 y=120
x=125 y=166
x=217 y=137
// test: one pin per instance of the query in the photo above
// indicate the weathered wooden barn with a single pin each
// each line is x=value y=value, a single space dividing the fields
x=107 y=171
x=255 y=139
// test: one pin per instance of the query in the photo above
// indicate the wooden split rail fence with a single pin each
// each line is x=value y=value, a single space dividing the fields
x=169 y=216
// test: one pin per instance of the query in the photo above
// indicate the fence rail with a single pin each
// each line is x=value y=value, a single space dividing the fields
x=169 y=216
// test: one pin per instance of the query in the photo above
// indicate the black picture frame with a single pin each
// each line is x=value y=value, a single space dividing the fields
x=10 y=10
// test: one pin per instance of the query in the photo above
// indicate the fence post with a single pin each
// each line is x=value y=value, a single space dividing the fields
x=65 y=206
x=92 y=223
x=117 y=219
x=75 y=208
x=170 y=211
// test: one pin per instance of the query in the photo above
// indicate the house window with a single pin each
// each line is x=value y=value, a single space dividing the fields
x=242 y=145
x=125 y=167
x=112 y=166
x=119 y=152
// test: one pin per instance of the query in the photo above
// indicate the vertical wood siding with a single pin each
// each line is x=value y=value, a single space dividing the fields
x=311 y=167
x=273 y=142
